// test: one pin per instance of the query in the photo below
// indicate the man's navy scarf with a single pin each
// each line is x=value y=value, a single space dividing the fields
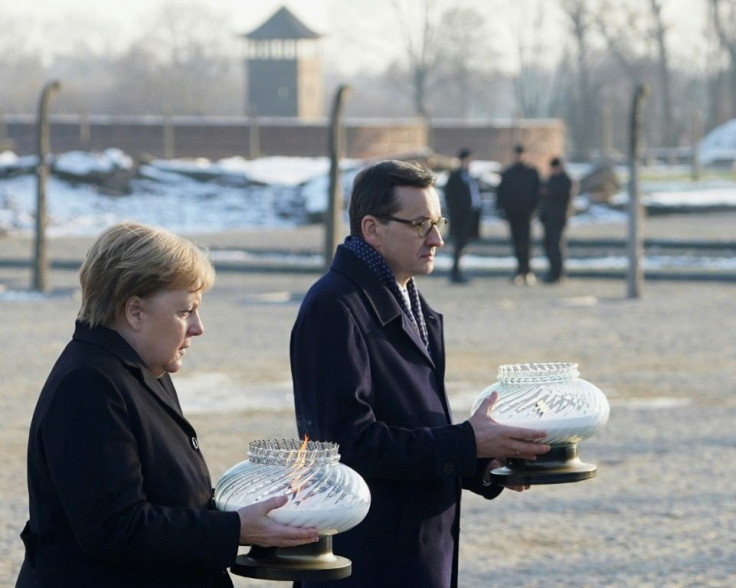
x=378 y=265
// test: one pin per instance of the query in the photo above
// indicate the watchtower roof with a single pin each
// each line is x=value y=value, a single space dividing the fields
x=282 y=25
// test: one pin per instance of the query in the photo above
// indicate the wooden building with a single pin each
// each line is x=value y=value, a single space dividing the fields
x=283 y=69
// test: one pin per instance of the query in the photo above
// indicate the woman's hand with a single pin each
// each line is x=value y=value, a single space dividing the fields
x=256 y=528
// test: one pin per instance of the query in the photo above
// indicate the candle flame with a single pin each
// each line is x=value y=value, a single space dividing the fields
x=299 y=470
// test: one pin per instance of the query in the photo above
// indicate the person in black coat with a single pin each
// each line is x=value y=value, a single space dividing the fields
x=462 y=196
x=368 y=367
x=554 y=211
x=517 y=196
x=119 y=493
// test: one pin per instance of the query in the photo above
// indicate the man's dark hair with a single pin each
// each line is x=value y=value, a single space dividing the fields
x=518 y=149
x=373 y=189
x=555 y=162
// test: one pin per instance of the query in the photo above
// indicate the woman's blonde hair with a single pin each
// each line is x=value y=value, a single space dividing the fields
x=131 y=259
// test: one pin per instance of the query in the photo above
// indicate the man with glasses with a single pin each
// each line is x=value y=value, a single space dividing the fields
x=368 y=364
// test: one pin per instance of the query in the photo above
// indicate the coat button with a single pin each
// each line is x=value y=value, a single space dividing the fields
x=195 y=443
x=448 y=468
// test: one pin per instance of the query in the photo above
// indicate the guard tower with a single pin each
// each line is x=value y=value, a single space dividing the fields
x=283 y=69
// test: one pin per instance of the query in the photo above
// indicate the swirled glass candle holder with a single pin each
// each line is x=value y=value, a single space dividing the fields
x=322 y=492
x=553 y=398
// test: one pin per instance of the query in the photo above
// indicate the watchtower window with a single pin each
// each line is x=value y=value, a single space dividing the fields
x=277 y=49
x=262 y=49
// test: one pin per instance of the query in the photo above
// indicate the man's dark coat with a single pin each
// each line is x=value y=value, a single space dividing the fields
x=119 y=493
x=518 y=192
x=364 y=379
x=518 y=195
x=554 y=210
x=464 y=220
x=555 y=203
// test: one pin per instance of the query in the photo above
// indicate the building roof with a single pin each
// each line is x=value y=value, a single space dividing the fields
x=282 y=25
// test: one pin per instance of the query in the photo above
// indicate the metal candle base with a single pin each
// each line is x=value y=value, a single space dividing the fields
x=559 y=465
x=314 y=561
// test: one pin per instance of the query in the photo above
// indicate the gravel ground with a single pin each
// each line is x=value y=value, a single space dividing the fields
x=660 y=513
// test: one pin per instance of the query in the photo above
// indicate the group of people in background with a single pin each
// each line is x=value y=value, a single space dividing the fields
x=520 y=195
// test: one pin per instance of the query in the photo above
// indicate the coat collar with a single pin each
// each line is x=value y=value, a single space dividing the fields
x=385 y=306
x=111 y=341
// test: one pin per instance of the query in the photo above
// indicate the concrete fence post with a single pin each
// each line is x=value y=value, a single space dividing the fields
x=635 y=247
x=40 y=258
x=333 y=213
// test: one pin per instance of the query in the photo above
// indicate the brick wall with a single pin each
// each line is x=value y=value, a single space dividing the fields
x=495 y=141
x=220 y=138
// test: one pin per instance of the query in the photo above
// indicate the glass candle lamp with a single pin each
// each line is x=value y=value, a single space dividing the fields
x=322 y=493
x=553 y=398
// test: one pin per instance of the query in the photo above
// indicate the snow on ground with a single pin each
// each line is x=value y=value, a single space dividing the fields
x=189 y=196
x=719 y=145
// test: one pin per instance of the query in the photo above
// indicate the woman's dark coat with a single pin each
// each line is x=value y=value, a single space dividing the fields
x=364 y=379
x=119 y=493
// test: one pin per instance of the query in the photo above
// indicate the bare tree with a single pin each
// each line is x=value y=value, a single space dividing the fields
x=22 y=72
x=723 y=16
x=622 y=29
x=185 y=55
x=670 y=130
x=136 y=89
x=531 y=84
x=443 y=48
x=636 y=36
x=584 y=101
x=466 y=52
x=418 y=31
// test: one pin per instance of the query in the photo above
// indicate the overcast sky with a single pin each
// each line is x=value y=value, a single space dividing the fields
x=364 y=25
x=247 y=13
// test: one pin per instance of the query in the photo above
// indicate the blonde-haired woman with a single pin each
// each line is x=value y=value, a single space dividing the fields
x=119 y=492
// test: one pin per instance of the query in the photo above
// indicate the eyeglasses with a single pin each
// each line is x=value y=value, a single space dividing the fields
x=423 y=226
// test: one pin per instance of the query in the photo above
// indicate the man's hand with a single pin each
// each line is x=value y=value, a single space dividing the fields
x=495 y=440
x=498 y=463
